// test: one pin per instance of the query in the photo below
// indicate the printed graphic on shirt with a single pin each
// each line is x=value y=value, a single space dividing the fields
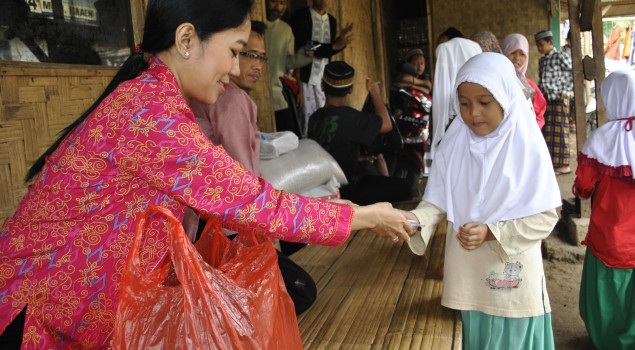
x=510 y=278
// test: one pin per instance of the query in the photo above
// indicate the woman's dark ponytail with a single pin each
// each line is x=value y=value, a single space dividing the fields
x=130 y=69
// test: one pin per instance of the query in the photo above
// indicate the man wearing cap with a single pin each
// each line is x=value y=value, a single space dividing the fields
x=343 y=131
x=556 y=83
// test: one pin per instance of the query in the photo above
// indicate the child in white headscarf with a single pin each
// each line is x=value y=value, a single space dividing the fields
x=493 y=177
x=451 y=55
x=606 y=172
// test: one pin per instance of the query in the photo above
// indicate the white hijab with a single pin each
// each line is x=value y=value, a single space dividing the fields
x=450 y=57
x=504 y=175
x=612 y=144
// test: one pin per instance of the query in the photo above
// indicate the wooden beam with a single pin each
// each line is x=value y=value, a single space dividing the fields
x=262 y=93
x=592 y=68
x=578 y=71
x=379 y=38
x=586 y=15
x=598 y=54
x=137 y=15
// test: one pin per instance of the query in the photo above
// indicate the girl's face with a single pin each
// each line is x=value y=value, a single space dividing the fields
x=212 y=62
x=479 y=109
x=518 y=58
x=420 y=63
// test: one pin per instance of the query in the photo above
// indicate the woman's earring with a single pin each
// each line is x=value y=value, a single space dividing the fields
x=187 y=54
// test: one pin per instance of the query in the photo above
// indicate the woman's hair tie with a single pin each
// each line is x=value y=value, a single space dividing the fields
x=137 y=49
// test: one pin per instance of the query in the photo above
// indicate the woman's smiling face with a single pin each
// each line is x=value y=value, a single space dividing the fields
x=211 y=65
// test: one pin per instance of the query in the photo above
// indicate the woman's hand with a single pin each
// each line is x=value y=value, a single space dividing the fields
x=383 y=220
x=343 y=201
x=473 y=234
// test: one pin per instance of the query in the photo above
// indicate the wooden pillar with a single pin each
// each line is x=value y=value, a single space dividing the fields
x=578 y=72
x=585 y=14
x=597 y=36
x=262 y=93
x=381 y=57
x=137 y=14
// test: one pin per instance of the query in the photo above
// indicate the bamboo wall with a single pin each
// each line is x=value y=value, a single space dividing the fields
x=36 y=102
x=499 y=17
x=367 y=52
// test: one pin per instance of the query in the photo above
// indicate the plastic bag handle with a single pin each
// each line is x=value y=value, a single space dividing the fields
x=178 y=242
x=182 y=252
x=132 y=261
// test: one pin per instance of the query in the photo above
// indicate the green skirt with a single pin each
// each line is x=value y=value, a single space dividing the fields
x=607 y=304
x=482 y=331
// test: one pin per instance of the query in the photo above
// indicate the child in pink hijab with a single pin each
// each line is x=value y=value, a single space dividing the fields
x=516 y=48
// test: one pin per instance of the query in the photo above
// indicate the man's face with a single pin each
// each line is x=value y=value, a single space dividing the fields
x=251 y=60
x=276 y=8
x=321 y=4
x=544 y=46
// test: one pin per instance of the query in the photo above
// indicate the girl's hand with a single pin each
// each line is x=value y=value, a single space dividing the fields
x=472 y=235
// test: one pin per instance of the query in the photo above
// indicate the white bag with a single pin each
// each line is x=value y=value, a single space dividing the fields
x=275 y=144
x=303 y=169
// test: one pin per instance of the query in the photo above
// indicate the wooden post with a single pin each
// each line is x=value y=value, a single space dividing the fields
x=578 y=72
x=379 y=37
x=597 y=36
x=590 y=13
x=262 y=94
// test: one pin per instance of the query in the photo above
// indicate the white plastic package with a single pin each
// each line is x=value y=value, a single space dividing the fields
x=303 y=169
x=275 y=144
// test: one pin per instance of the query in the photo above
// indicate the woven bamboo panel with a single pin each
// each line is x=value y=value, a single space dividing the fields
x=37 y=102
x=365 y=54
x=499 y=17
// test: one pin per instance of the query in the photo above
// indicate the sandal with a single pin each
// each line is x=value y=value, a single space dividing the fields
x=559 y=172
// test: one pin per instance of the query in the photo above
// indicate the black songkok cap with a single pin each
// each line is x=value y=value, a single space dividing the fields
x=339 y=75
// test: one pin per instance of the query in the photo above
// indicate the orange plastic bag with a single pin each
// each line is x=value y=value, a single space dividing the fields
x=229 y=296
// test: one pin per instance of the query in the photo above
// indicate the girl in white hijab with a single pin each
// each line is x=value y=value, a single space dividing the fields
x=450 y=56
x=606 y=172
x=493 y=177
